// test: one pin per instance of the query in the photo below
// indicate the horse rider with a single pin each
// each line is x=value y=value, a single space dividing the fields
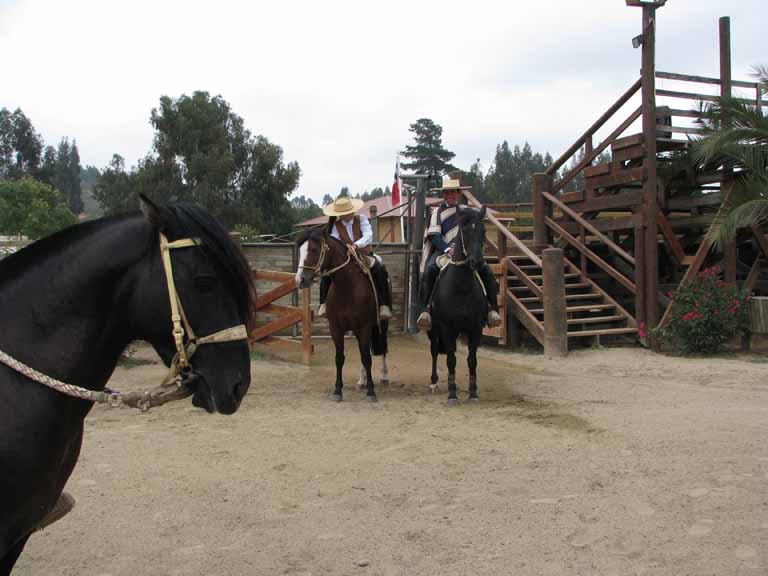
x=440 y=239
x=355 y=230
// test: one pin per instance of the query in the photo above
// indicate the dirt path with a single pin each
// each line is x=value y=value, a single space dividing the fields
x=609 y=462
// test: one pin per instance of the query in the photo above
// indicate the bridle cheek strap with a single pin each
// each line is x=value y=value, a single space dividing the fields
x=181 y=325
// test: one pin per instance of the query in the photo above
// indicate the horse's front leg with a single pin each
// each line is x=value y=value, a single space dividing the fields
x=364 y=344
x=451 y=362
x=338 y=341
x=472 y=365
x=434 y=349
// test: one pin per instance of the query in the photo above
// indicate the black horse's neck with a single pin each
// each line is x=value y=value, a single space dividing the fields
x=64 y=299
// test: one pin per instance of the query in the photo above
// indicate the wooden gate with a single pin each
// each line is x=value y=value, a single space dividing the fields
x=286 y=316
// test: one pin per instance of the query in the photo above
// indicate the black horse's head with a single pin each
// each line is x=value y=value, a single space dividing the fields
x=472 y=232
x=311 y=258
x=215 y=287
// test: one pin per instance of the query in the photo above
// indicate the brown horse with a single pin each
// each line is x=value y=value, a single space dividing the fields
x=351 y=302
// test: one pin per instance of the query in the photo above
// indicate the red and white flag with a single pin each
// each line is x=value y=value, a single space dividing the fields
x=396 y=185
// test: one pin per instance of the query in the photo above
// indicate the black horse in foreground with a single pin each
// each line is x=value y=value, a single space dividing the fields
x=459 y=305
x=72 y=302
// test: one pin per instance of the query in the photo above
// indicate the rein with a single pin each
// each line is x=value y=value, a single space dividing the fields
x=173 y=386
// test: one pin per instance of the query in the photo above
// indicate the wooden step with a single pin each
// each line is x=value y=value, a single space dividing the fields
x=583 y=296
x=605 y=332
x=596 y=319
x=578 y=285
x=579 y=308
x=541 y=276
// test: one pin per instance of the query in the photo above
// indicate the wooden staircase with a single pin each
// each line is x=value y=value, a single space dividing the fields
x=591 y=312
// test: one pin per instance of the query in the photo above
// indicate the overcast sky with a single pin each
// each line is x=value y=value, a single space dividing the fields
x=336 y=84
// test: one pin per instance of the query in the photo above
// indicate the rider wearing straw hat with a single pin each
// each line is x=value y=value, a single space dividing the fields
x=440 y=239
x=354 y=230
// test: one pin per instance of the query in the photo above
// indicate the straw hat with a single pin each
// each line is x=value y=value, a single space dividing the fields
x=451 y=184
x=342 y=206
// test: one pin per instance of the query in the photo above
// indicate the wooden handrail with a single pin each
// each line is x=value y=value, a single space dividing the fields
x=703 y=79
x=584 y=222
x=610 y=270
x=597 y=151
x=595 y=127
x=514 y=239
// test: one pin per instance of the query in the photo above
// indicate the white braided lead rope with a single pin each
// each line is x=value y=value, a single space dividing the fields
x=58 y=385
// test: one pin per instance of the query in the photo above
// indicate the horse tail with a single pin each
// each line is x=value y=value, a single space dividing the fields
x=379 y=342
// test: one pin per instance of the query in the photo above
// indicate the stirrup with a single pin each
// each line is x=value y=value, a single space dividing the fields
x=321 y=311
x=424 y=321
x=384 y=312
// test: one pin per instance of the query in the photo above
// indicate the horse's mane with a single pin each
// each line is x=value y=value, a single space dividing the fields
x=316 y=234
x=467 y=215
x=191 y=220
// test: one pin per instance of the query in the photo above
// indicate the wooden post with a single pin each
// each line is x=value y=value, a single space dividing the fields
x=555 y=313
x=541 y=183
x=729 y=251
x=640 y=314
x=306 y=326
x=650 y=187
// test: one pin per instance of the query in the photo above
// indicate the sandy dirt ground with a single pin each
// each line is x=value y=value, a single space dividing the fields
x=608 y=462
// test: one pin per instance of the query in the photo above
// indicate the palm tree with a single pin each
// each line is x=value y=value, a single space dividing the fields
x=736 y=137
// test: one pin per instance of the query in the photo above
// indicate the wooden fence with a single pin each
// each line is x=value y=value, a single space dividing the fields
x=283 y=316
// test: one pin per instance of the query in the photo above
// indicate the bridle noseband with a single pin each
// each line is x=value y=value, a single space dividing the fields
x=173 y=386
x=317 y=269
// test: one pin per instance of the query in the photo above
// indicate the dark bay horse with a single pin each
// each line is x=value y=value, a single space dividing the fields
x=72 y=302
x=350 y=302
x=459 y=305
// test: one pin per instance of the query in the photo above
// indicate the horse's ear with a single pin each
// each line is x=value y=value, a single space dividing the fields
x=155 y=215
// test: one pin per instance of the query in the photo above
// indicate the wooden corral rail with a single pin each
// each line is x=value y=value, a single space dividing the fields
x=286 y=316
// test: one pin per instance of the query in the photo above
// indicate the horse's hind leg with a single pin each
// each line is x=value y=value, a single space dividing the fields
x=472 y=365
x=384 y=380
x=434 y=350
x=365 y=357
x=11 y=555
x=451 y=362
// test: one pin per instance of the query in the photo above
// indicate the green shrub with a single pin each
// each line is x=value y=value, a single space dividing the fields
x=706 y=313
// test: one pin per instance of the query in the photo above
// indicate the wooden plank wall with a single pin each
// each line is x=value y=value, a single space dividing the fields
x=280 y=257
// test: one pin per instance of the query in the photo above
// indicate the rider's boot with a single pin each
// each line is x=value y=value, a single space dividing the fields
x=492 y=292
x=424 y=321
x=325 y=283
x=321 y=311
x=381 y=281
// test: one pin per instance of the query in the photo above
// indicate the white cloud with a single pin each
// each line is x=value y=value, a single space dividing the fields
x=337 y=83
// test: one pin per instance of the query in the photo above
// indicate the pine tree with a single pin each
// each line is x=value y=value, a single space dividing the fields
x=428 y=155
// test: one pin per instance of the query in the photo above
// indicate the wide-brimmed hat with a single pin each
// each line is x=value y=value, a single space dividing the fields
x=451 y=184
x=342 y=206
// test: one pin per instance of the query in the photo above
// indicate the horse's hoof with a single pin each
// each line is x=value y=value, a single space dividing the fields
x=433 y=388
x=362 y=386
x=336 y=397
x=383 y=382
x=473 y=400
x=372 y=398
x=453 y=402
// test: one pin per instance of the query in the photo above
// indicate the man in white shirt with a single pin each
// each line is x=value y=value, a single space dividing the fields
x=355 y=230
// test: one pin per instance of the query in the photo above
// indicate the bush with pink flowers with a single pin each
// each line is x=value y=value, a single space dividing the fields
x=706 y=313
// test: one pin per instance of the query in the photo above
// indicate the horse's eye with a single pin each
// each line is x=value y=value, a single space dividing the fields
x=205 y=282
